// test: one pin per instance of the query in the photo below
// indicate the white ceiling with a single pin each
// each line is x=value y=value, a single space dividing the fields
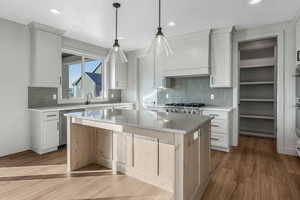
x=93 y=20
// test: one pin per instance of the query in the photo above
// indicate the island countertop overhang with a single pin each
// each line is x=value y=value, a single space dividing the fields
x=143 y=119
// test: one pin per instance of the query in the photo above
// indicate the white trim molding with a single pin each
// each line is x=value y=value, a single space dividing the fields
x=285 y=34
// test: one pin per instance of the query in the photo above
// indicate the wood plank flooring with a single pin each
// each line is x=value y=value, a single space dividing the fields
x=252 y=171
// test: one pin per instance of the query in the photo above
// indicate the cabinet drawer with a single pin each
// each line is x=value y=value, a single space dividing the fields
x=216 y=114
x=50 y=116
x=219 y=140
x=220 y=126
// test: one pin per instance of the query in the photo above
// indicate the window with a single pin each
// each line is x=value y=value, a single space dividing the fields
x=81 y=75
x=93 y=76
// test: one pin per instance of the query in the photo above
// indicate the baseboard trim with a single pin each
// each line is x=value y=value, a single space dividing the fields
x=288 y=151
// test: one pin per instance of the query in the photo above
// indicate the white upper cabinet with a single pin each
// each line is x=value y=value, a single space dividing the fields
x=45 y=55
x=298 y=34
x=191 y=55
x=118 y=75
x=221 y=58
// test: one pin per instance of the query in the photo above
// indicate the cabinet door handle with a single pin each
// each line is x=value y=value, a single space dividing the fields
x=132 y=152
x=214 y=125
x=57 y=126
x=215 y=139
x=157 y=157
x=51 y=115
x=212 y=80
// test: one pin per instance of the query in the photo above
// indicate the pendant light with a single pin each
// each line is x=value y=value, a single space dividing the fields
x=160 y=42
x=116 y=53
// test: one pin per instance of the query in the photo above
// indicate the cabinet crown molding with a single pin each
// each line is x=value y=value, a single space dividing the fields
x=37 y=26
x=223 y=30
x=203 y=33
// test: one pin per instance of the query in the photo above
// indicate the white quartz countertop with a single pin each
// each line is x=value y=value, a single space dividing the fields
x=208 y=107
x=71 y=107
x=144 y=119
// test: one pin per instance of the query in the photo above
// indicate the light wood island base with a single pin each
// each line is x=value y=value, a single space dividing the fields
x=177 y=163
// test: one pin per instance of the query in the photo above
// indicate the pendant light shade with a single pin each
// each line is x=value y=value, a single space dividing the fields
x=160 y=43
x=116 y=54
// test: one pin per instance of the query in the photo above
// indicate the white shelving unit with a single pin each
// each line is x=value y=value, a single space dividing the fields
x=257 y=100
x=258 y=88
x=257 y=83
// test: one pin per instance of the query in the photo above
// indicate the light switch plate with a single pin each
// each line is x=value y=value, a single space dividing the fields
x=212 y=97
x=54 y=96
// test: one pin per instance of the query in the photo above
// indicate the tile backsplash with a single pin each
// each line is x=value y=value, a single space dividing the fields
x=43 y=97
x=197 y=89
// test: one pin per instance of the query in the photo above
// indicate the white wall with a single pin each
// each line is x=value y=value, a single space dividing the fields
x=14 y=80
x=286 y=138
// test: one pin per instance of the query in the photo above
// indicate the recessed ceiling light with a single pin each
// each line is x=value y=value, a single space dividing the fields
x=252 y=2
x=55 y=11
x=171 y=24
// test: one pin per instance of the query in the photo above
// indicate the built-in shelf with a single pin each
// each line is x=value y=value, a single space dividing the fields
x=256 y=63
x=263 y=133
x=251 y=116
x=256 y=45
x=255 y=66
x=258 y=83
x=258 y=88
x=257 y=100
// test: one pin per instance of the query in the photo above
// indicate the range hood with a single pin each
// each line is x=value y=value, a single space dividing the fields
x=191 y=55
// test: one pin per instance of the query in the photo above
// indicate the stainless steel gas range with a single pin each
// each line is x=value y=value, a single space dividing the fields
x=187 y=108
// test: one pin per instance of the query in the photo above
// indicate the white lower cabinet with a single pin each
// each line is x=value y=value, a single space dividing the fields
x=51 y=134
x=220 y=129
x=44 y=131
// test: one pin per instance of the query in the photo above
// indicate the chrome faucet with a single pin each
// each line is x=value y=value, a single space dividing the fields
x=89 y=96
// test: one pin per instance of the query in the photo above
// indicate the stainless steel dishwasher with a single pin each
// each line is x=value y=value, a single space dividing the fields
x=63 y=125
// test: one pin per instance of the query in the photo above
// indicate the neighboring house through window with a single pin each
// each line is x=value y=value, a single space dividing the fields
x=81 y=75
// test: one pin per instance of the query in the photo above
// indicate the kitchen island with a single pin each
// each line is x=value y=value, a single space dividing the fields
x=168 y=150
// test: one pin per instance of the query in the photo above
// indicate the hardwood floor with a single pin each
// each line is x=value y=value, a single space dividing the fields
x=252 y=171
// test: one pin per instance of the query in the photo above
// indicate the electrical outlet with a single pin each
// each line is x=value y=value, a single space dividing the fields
x=167 y=96
x=212 y=97
x=54 y=96
x=112 y=95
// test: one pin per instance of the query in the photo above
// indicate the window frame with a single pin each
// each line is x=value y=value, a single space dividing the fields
x=103 y=97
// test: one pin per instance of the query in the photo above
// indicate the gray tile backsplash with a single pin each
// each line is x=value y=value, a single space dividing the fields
x=195 y=90
x=43 y=97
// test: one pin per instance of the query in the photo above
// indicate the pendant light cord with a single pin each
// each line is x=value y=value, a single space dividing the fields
x=116 y=23
x=159 y=14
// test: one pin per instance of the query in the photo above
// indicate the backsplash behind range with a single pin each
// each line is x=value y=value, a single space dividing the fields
x=190 y=90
